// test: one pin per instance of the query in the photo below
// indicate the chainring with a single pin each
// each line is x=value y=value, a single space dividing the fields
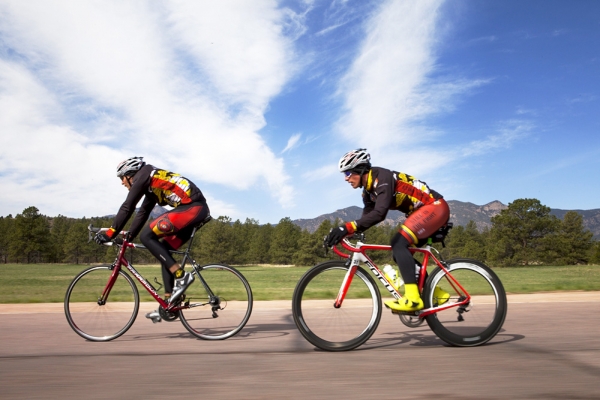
x=411 y=321
x=168 y=315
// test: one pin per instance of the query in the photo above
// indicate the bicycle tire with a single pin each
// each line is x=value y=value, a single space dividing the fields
x=227 y=312
x=477 y=322
x=330 y=328
x=96 y=322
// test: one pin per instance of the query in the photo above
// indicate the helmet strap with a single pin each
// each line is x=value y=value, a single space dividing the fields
x=362 y=172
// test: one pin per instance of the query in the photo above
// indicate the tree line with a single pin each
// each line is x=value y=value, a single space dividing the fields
x=523 y=234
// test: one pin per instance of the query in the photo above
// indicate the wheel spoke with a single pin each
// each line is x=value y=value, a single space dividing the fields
x=477 y=321
x=109 y=319
x=224 y=311
x=326 y=326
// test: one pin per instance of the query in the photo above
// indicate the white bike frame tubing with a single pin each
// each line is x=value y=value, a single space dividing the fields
x=357 y=257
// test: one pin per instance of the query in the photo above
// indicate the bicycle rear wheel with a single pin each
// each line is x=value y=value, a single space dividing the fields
x=330 y=328
x=479 y=320
x=93 y=319
x=219 y=302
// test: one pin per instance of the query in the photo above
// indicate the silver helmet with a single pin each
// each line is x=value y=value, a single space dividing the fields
x=355 y=159
x=130 y=166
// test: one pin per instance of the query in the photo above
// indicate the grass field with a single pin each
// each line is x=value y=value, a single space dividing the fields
x=46 y=283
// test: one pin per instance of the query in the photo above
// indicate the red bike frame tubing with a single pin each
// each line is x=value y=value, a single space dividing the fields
x=121 y=260
x=426 y=257
x=111 y=282
x=352 y=270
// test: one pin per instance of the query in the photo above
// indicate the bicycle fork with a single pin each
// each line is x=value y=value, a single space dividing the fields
x=346 y=284
x=109 y=285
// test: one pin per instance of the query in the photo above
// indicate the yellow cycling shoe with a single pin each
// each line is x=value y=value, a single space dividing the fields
x=404 y=305
x=439 y=296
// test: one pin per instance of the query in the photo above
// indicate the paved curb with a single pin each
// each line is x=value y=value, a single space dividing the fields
x=564 y=297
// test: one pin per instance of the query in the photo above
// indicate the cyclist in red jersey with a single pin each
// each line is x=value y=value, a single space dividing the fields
x=385 y=190
x=168 y=231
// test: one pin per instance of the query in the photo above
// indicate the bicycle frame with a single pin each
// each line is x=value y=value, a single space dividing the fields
x=358 y=256
x=122 y=261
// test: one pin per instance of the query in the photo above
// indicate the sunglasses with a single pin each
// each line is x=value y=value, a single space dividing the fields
x=348 y=173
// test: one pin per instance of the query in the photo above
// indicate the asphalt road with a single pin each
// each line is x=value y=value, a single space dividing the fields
x=549 y=348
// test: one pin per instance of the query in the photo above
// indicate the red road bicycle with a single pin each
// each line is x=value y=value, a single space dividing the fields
x=102 y=302
x=337 y=305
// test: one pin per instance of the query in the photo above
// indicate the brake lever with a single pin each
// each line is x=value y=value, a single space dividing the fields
x=325 y=245
x=90 y=227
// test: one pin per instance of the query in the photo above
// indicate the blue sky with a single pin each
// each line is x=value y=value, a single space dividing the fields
x=256 y=101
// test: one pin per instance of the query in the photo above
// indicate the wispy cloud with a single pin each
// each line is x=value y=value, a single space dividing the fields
x=559 y=32
x=566 y=163
x=184 y=83
x=322 y=173
x=526 y=111
x=507 y=134
x=390 y=87
x=582 y=98
x=482 y=39
x=292 y=142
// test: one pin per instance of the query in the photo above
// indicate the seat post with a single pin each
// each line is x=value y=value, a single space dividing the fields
x=200 y=225
x=191 y=239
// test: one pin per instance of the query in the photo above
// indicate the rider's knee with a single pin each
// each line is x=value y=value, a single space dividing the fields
x=399 y=241
x=147 y=236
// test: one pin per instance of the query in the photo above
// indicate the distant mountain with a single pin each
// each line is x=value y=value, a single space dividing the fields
x=460 y=214
x=157 y=211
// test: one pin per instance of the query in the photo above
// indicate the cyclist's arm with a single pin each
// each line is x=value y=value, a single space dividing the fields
x=142 y=215
x=375 y=212
x=140 y=184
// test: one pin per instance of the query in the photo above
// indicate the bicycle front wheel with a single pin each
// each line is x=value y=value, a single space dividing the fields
x=219 y=302
x=475 y=322
x=97 y=320
x=330 y=328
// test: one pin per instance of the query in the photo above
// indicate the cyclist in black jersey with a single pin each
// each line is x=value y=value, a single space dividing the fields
x=385 y=190
x=168 y=231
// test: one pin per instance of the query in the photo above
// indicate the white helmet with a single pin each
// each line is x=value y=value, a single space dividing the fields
x=130 y=166
x=354 y=159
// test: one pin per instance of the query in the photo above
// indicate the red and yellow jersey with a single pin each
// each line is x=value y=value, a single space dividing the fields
x=390 y=190
x=157 y=186
x=170 y=188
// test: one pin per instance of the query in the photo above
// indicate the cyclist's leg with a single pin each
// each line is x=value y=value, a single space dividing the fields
x=421 y=224
x=168 y=279
x=151 y=240
x=175 y=228
x=161 y=252
x=404 y=258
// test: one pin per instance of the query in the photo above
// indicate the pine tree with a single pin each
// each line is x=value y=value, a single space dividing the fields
x=570 y=244
x=31 y=238
x=260 y=243
x=6 y=233
x=518 y=232
x=284 y=241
